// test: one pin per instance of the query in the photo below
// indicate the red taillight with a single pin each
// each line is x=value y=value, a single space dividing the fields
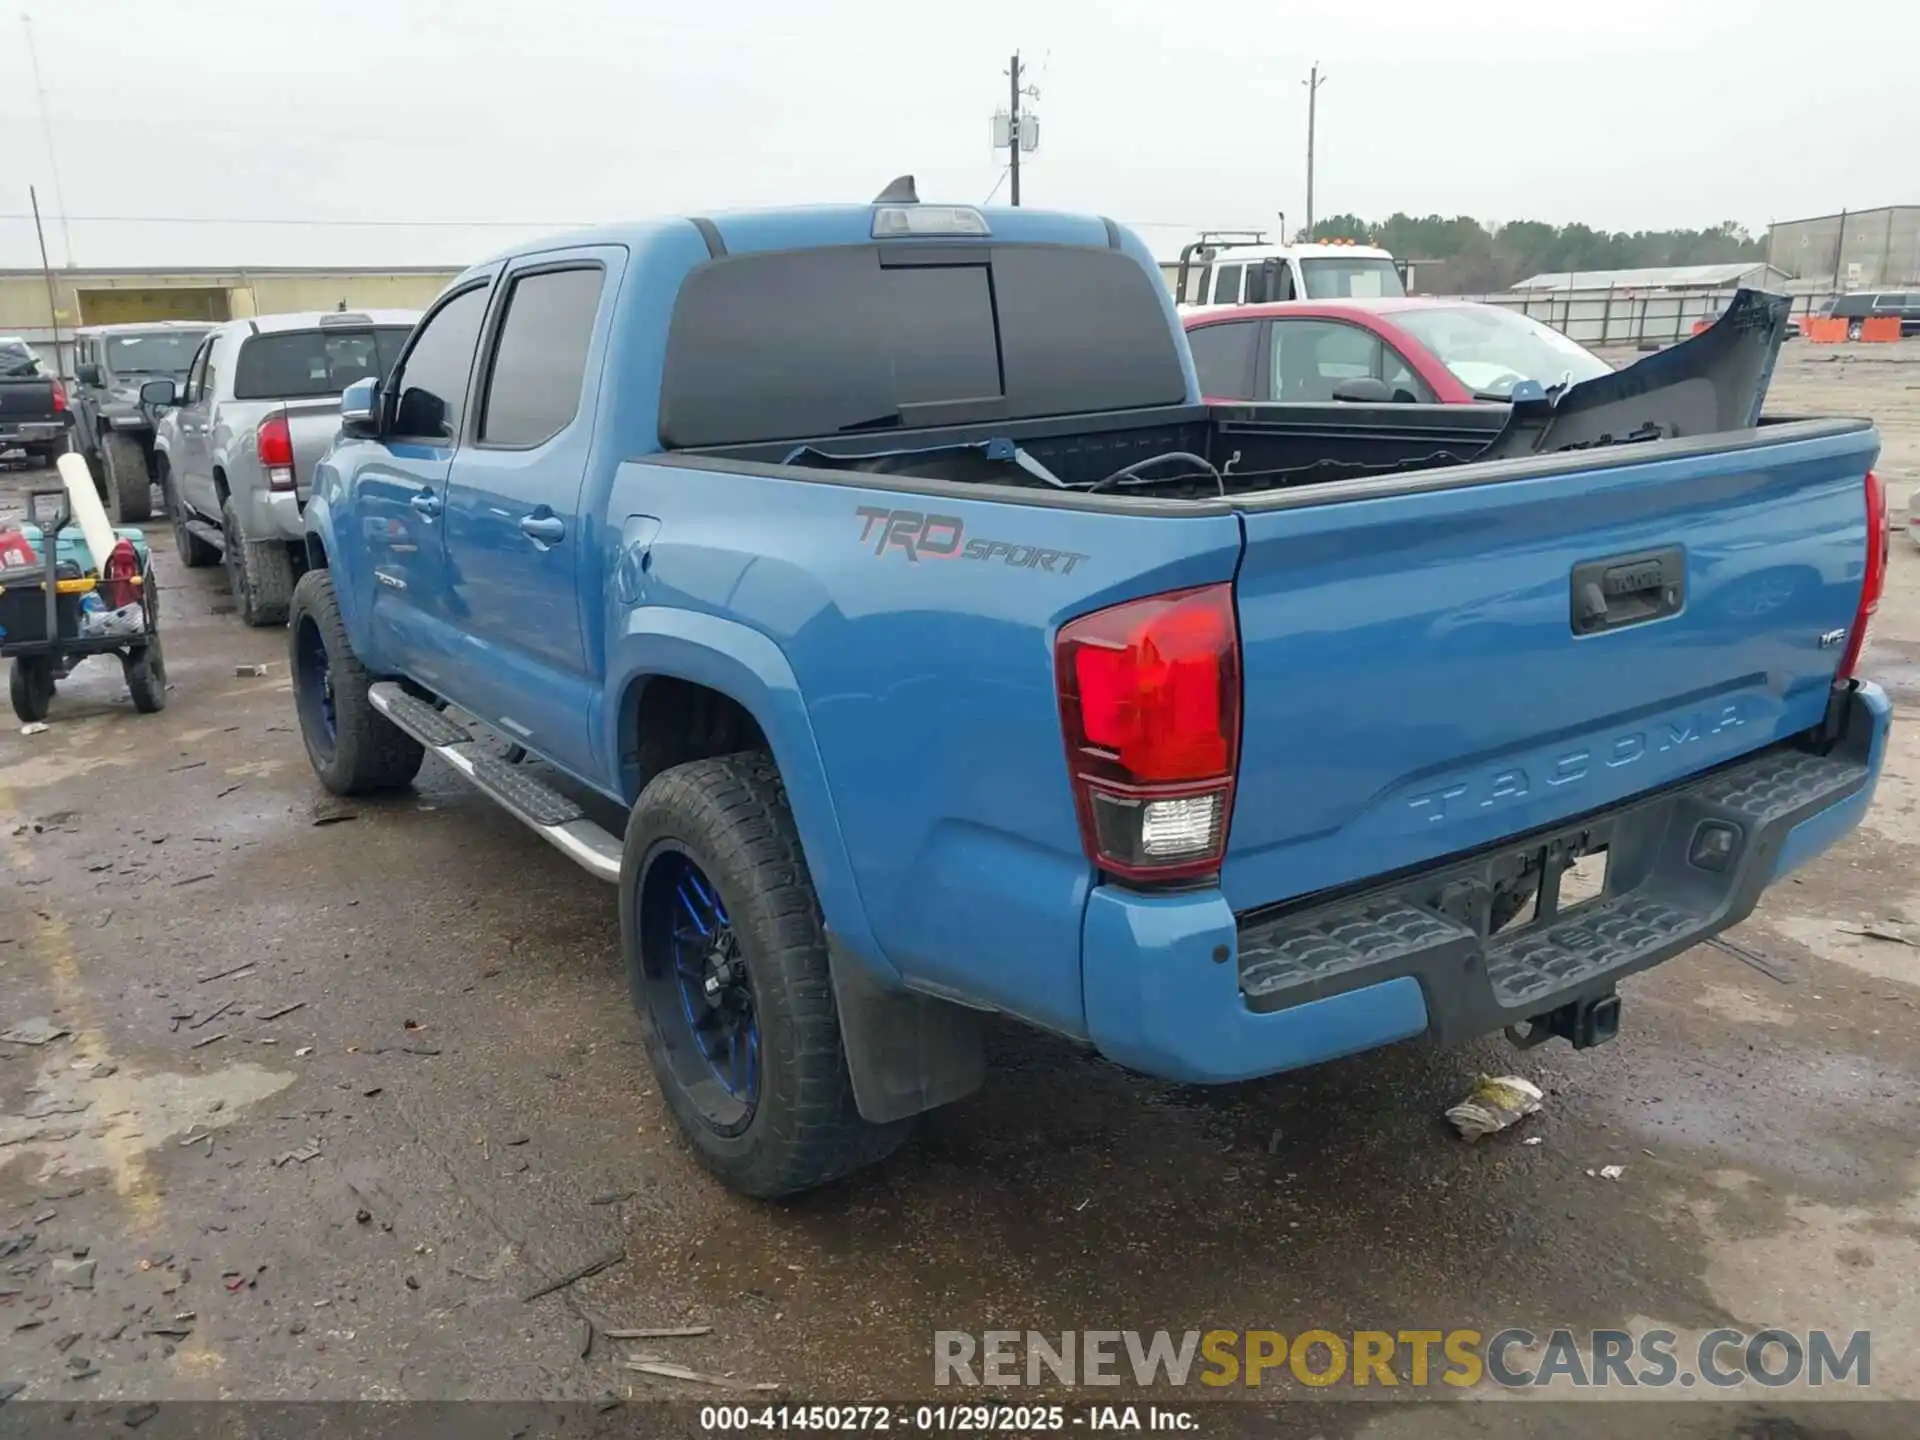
x=120 y=579
x=1874 y=583
x=275 y=443
x=59 y=397
x=1150 y=702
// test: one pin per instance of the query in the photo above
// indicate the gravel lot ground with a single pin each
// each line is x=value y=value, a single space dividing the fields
x=463 y=1065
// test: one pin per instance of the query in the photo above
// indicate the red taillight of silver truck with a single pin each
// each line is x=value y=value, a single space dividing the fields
x=1874 y=583
x=1150 y=703
x=275 y=442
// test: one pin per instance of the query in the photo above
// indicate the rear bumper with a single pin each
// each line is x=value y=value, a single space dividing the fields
x=1178 y=986
x=269 y=515
x=30 y=432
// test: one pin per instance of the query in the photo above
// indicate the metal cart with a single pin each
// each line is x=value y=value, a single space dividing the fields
x=41 y=625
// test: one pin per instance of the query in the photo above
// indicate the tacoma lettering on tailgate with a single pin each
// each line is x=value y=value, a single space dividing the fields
x=1516 y=782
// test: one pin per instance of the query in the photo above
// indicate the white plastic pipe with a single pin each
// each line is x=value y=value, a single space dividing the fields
x=84 y=501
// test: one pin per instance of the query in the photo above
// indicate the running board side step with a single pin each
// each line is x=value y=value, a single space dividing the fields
x=211 y=534
x=538 y=806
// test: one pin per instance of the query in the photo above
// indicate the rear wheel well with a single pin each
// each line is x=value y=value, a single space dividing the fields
x=316 y=551
x=220 y=485
x=669 y=721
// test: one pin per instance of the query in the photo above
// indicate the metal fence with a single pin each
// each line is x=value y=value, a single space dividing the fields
x=1628 y=318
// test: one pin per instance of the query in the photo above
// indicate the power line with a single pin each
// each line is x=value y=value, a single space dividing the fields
x=53 y=159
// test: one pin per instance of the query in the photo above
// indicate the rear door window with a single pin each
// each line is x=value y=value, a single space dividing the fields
x=1223 y=359
x=307 y=364
x=808 y=343
x=540 y=362
x=1226 y=285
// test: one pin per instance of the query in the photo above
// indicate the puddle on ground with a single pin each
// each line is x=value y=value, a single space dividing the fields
x=72 y=1123
x=1812 y=1119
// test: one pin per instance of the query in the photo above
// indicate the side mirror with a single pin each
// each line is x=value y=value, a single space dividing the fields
x=88 y=375
x=1364 y=390
x=360 y=408
x=160 y=394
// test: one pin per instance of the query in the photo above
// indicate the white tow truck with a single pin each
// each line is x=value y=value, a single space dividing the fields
x=1239 y=267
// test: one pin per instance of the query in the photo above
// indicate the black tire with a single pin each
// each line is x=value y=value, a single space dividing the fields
x=48 y=455
x=730 y=817
x=31 y=687
x=365 y=752
x=145 y=670
x=128 y=485
x=261 y=573
x=194 y=553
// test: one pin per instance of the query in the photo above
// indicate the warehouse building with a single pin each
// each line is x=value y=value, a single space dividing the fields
x=1854 y=250
x=119 y=296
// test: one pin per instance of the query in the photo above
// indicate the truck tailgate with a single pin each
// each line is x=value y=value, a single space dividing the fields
x=26 y=399
x=1427 y=672
x=312 y=424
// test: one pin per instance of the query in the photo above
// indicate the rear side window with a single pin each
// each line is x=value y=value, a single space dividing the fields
x=1226 y=285
x=306 y=364
x=533 y=391
x=808 y=343
x=1223 y=359
x=433 y=382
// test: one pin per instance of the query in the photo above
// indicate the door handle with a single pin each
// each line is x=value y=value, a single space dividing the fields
x=427 y=503
x=1628 y=590
x=543 y=529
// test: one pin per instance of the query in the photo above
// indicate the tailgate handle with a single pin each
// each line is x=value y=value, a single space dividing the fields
x=1627 y=590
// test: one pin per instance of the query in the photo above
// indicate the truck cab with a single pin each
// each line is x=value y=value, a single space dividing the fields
x=1241 y=268
x=111 y=428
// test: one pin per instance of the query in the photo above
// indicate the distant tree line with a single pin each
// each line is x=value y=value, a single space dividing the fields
x=1480 y=258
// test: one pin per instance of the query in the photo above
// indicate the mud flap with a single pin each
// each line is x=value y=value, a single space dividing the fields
x=906 y=1053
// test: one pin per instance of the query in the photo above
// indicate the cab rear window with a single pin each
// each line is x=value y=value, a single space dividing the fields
x=807 y=343
x=308 y=364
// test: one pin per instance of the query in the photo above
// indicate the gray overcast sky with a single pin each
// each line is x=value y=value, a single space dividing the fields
x=1636 y=114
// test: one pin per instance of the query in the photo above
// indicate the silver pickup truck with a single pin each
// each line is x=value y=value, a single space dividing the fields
x=236 y=445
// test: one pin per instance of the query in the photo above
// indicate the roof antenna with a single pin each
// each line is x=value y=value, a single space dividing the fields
x=899 y=192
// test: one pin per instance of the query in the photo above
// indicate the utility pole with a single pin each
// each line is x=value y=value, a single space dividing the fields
x=1313 y=83
x=46 y=131
x=1013 y=128
x=1013 y=131
x=46 y=271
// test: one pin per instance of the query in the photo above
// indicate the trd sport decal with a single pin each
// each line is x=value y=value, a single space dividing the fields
x=944 y=537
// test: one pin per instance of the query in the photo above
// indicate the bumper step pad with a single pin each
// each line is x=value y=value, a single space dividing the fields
x=1434 y=924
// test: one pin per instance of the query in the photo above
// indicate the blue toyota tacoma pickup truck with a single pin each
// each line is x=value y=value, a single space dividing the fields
x=866 y=593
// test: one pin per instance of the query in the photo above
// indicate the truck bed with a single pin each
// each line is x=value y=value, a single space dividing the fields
x=1709 y=388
